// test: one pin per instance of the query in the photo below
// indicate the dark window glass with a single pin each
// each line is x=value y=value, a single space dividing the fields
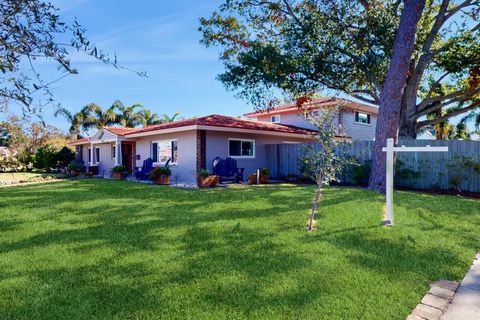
x=174 y=152
x=247 y=148
x=97 y=155
x=89 y=155
x=114 y=151
x=235 y=148
x=155 y=152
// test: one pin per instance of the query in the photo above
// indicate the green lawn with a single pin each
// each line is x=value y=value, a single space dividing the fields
x=102 y=249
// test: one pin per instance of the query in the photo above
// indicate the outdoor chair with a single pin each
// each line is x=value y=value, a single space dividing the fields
x=145 y=170
x=227 y=170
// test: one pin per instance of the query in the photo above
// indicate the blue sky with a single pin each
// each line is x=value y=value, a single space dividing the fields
x=159 y=37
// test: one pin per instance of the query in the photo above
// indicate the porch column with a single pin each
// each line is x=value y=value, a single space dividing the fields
x=118 y=158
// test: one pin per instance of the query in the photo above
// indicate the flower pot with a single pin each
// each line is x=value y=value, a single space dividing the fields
x=74 y=173
x=163 y=180
x=252 y=179
x=210 y=181
x=118 y=175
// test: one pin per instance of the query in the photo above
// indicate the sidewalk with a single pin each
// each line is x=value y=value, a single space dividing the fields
x=466 y=303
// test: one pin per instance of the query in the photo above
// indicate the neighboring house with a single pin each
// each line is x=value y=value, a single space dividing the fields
x=191 y=144
x=355 y=120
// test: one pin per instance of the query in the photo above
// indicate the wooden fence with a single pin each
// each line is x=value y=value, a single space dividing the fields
x=441 y=170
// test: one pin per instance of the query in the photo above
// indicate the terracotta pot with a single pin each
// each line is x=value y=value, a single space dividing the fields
x=163 y=180
x=263 y=179
x=210 y=181
x=118 y=175
x=252 y=179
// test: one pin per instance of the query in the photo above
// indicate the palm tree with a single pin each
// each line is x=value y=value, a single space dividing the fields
x=149 y=118
x=90 y=116
x=166 y=118
x=128 y=116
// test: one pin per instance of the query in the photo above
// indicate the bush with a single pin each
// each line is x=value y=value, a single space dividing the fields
x=264 y=171
x=119 y=168
x=160 y=171
x=48 y=157
x=75 y=166
x=64 y=157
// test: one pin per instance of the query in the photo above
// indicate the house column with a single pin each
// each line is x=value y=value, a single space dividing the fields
x=92 y=154
x=118 y=151
x=201 y=150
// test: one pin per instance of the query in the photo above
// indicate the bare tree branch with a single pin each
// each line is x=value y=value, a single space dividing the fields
x=443 y=118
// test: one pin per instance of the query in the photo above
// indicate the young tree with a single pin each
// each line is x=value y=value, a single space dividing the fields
x=321 y=162
x=32 y=30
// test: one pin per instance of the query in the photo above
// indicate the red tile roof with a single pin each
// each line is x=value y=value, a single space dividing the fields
x=119 y=131
x=320 y=102
x=209 y=121
x=79 y=141
x=216 y=120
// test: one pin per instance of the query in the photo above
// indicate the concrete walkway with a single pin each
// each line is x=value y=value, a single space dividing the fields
x=466 y=303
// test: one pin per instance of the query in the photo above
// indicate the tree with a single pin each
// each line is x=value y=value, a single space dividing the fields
x=91 y=116
x=321 y=163
x=128 y=116
x=32 y=30
x=392 y=92
x=299 y=48
x=149 y=118
x=166 y=118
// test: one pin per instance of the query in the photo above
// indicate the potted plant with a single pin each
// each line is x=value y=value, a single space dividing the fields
x=206 y=179
x=74 y=168
x=161 y=175
x=264 y=172
x=119 y=172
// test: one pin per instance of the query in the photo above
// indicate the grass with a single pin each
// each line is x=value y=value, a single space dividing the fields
x=13 y=177
x=119 y=250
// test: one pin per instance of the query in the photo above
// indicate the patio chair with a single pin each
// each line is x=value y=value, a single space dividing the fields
x=227 y=170
x=144 y=172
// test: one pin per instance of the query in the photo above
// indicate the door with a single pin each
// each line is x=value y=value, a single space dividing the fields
x=127 y=155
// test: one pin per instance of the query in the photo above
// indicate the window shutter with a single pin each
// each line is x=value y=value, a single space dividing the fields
x=368 y=118
x=155 y=152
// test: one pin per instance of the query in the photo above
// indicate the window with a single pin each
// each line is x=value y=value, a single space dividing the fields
x=114 y=151
x=363 y=118
x=275 y=119
x=241 y=148
x=97 y=155
x=89 y=155
x=162 y=151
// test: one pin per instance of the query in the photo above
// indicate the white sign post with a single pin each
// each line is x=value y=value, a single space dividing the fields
x=390 y=149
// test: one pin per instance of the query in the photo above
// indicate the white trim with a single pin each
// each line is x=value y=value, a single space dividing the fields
x=362 y=123
x=173 y=164
x=161 y=131
x=264 y=132
x=242 y=140
x=275 y=115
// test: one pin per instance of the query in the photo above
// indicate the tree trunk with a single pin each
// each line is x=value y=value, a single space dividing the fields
x=314 y=207
x=391 y=96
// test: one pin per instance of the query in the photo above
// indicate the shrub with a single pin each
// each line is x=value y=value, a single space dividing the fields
x=264 y=171
x=64 y=157
x=75 y=166
x=160 y=171
x=119 y=168
x=46 y=157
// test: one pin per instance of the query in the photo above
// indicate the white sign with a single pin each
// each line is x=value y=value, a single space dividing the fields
x=390 y=149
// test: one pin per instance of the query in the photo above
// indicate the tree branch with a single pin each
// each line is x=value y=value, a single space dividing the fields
x=450 y=98
x=443 y=118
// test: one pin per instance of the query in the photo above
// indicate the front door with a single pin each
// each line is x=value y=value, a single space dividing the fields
x=127 y=155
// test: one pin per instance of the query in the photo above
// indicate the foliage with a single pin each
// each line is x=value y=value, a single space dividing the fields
x=204 y=173
x=459 y=168
x=361 y=173
x=31 y=31
x=75 y=166
x=117 y=249
x=50 y=157
x=157 y=172
x=119 y=169
x=402 y=172
x=302 y=47
x=322 y=164
x=264 y=171
x=10 y=164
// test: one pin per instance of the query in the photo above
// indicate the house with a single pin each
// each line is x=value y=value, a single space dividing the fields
x=193 y=144
x=355 y=120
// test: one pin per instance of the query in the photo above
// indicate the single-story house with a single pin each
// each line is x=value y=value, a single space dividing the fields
x=193 y=144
